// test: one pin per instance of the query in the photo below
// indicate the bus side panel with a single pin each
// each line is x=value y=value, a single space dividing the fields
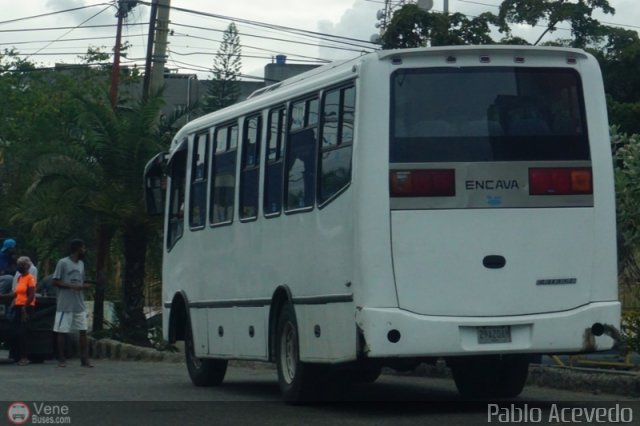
x=220 y=331
x=250 y=332
x=327 y=332
x=199 y=330
x=373 y=266
x=605 y=271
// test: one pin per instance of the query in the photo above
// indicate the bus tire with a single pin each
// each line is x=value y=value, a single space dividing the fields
x=202 y=371
x=296 y=379
x=490 y=376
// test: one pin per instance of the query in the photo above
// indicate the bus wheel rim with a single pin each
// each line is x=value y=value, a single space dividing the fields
x=289 y=353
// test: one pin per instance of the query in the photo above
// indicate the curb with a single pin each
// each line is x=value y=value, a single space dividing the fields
x=113 y=349
x=591 y=380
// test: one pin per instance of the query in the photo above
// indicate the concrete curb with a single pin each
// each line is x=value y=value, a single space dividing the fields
x=590 y=380
x=113 y=349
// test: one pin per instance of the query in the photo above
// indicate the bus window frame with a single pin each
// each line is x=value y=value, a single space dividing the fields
x=341 y=89
x=307 y=99
x=181 y=151
x=227 y=126
x=283 y=119
x=256 y=167
x=204 y=180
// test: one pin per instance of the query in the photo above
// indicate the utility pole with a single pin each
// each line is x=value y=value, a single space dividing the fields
x=102 y=231
x=159 y=57
x=150 y=38
x=124 y=7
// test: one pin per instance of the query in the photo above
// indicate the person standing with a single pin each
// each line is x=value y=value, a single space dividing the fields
x=71 y=313
x=7 y=265
x=24 y=302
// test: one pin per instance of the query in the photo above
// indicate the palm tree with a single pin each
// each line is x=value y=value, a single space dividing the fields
x=100 y=181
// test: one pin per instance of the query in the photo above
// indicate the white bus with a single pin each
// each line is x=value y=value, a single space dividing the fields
x=406 y=206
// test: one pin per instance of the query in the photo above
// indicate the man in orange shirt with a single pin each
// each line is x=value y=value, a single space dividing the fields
x=24 y=302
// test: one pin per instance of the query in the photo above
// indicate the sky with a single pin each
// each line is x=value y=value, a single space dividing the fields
x=196 y=33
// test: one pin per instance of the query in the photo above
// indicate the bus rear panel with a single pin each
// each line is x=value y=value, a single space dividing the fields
x=501 y=206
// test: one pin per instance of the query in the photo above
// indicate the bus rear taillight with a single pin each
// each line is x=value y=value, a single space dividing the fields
x=422 y=183
x=560 y=181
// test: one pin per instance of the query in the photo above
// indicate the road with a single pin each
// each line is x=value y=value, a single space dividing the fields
x=147 y=393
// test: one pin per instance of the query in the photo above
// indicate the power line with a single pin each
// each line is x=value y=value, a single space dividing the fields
x=315 y=61
x=79 y=25
x=498 y=6
x=53 y=13
x=15 y=43
x=283 y=28
x=18 y=30
x=272 y=38
x=250 y=47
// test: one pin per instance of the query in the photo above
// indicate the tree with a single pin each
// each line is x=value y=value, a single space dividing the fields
x=224 y=88
x=584 y=28
x=411 y=26
x=79 y=164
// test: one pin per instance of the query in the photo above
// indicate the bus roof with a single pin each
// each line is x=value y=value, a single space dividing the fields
x=491 y=48
x=337 y=68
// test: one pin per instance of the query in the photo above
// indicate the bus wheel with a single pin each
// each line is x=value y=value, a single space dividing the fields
x=202 y=371
x=296 y=379
x=490 y=376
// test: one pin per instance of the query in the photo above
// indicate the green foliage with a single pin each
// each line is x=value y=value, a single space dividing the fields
x=626 y=152
x=224 y=88
x=584 y=28
x=71 y=165
x=411 y=26
x=626 y=115
x=631 y=329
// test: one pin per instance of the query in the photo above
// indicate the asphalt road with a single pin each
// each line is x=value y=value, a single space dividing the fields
x=147 y=393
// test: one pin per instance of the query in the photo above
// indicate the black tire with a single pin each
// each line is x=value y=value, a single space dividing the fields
x=202 y=371
x=297 y=379
x=490 y=376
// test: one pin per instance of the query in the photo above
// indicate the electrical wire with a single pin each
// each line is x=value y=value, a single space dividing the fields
x=283 y=28
x=53 y=13
x=273 y=38
x=498 y=6
x=79 y=25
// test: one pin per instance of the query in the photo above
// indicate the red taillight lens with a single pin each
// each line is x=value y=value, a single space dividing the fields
x=422 y=183
x=560 y=181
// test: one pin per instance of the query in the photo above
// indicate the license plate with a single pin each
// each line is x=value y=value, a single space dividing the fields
x=496 y=334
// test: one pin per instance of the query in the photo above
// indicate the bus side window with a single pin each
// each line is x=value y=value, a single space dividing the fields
x=338 y=112
x=250 y=169
x=177 y=173
x=198 y=194
x=301 y=155
x=272 y=200
x=224 y=175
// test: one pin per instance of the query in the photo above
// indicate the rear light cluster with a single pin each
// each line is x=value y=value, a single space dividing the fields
x=560 y=181
x=422 y=183
x=442 y=182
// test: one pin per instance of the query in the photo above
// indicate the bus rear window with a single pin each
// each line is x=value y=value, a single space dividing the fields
x=487 y=114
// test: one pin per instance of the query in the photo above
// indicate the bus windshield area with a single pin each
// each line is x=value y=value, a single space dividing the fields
x=476 y=114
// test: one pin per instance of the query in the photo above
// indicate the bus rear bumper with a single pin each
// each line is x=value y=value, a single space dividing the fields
x=392 y=332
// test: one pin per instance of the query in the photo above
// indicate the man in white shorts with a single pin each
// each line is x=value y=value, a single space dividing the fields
x=71 y=313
